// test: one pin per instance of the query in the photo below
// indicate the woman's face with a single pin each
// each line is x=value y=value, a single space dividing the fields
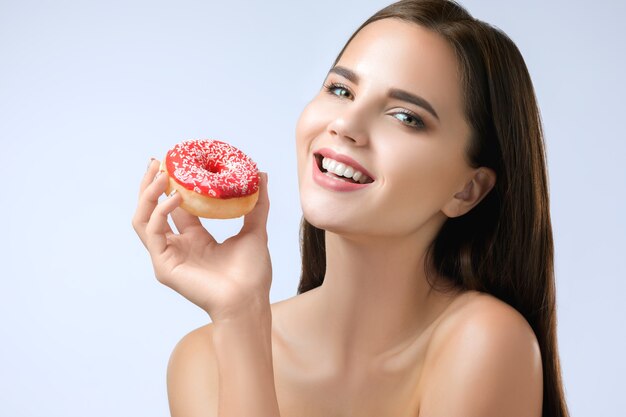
x=412 y=147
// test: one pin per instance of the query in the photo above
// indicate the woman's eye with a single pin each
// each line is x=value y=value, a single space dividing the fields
x=412 y=120
x=332 y=88
x=408 y=118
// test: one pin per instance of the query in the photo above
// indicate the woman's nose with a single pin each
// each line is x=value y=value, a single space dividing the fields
x=350 y=124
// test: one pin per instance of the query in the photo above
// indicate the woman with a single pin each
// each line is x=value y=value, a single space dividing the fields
x=427 y=284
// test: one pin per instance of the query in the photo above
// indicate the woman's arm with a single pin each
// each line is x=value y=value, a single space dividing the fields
x=243 y=348
x=230 y=365
x=229 y=280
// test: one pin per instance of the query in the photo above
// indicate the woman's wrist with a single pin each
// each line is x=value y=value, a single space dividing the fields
x=243 y=348
x=257 y=310
x=252 y=326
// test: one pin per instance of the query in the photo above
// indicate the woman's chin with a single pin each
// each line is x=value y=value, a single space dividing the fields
x=334 y=221
x=327 y=213
x=320 y=218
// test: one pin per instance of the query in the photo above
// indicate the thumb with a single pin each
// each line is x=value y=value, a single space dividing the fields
x=256 y=220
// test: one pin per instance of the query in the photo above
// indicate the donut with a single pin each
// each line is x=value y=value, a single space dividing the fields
x=215 y=179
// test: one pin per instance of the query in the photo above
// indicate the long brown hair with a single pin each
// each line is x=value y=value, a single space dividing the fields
x=504 y=245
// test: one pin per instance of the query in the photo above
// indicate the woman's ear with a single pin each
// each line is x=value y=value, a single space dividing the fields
x=474 y=191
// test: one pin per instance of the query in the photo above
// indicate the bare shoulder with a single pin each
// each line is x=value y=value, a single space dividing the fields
x=484 y=360
x=192 y=375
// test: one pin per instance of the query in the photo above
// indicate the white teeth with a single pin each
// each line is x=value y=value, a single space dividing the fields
x=341 y=169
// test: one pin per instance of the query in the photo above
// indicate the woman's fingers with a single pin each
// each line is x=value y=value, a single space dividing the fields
x=153 y=168
x=158 y=228
x=148 y=200
x=256 y=220
x=186 y=222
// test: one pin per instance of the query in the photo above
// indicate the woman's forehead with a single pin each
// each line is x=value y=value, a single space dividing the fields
x=391 y=53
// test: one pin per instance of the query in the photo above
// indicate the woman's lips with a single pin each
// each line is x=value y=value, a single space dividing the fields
x=332 y=183
x=329 y=153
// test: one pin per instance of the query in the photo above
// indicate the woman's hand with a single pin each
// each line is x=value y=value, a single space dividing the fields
x=225 y=279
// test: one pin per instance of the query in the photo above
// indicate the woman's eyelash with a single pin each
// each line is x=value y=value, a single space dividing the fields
x=330 y=87
x=420 y=123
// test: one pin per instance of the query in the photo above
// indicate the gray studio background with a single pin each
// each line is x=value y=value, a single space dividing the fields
x=90 y=90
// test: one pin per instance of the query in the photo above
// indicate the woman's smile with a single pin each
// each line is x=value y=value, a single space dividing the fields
x=343 y=165
x=339 y=172
x=336 y=181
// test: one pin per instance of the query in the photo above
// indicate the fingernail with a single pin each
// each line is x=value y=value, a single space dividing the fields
x=150 y=163
x=172 y=193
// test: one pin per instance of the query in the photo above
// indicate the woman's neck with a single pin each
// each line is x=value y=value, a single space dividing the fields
x=374 y=299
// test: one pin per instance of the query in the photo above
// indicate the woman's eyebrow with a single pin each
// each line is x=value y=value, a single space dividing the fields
x=393 y=92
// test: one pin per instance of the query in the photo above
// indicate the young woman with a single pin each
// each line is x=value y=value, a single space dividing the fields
x=427 y=284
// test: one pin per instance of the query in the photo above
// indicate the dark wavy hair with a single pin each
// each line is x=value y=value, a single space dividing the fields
x=504 y=245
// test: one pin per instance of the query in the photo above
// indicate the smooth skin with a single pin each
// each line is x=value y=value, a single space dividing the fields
x=374 y=339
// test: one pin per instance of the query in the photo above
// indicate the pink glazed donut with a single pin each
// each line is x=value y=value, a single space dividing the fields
x=215 y=179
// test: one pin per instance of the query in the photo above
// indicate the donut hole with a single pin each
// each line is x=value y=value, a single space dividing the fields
x=213 y=167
